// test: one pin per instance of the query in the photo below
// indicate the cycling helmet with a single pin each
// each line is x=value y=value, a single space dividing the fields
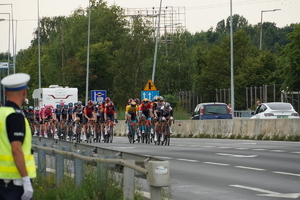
x=99 y=103
x=75 y=104
x=25 y=108
x=156 y=98
x=145 y=100
x=66 y=106
x=133 y=104
x=95 y=103
x=167 y=105
x=161 y=98
x=58 y=106
x=70 y=104
x=30 y=107
x=79 y=103
x=137 y=100
x=90 y=102
x=37 y=109
x=129 y=100
x=109 y=104
x=61 y=104
x=107 y=99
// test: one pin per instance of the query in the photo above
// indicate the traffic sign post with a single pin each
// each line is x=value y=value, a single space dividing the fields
x=149 y=94
x=98 y=95
x=150 y=86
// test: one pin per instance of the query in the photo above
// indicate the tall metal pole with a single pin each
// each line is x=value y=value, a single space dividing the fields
x=231 y=62
x=8 y=53
x=261 y=20
x=88 y=57
x=39 y=45
x=15 y=57
x=156 y=43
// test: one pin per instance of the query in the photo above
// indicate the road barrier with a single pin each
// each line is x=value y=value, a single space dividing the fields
x=228 y=127
x=156 y=171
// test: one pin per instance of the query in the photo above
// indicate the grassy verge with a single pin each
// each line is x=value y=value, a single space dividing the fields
x=96 y=186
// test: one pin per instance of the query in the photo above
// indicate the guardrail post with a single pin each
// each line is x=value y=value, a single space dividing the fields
x=41 y=162
x=78 y=165
x=128 y=182
x=59 y=168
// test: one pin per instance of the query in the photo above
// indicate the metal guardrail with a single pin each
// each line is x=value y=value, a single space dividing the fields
x=131 y=165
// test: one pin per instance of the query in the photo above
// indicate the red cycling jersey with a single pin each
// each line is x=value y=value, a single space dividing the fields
x=143 y=107
x=46 y=113
x=109 y=110
x=89 y=110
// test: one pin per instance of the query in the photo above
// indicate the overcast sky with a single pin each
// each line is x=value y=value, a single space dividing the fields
x=200 y=14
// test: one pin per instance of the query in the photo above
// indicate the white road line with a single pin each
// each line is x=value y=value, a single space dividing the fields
x=285 y=173
x=278 y=151
x=241 y=148
x=237 y=156
x=296 y=152
x=207 y=146
x=213 y=163
x=182 y=145
x=163 y=157
x=258 y=149
x=251 y=168
x=224 y=147
x=188 y=160
x=194 y=145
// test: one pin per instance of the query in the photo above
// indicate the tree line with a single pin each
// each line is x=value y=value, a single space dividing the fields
x=121 y=57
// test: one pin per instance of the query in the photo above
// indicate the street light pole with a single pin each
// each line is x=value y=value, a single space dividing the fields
x=39 y=44
x=261 y=20
x=156 y=43
x=88 y=57
x=231 y=63
x=8 y=51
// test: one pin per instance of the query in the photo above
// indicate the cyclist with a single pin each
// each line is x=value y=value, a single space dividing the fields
x=36 y=119
x=166 y=113
x=29 y=113
x=145 y=113
x=109 y=113
x=157 y=114
x=70 y=117
x=89 y=115
x=78 y=117
x=41 y=120
x=57 y=115
x=131 y=112
x=47 y=116
x=100 y=117
x=64 y=119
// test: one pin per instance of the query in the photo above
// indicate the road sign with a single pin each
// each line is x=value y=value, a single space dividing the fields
x=149 y=94
x=150 y=86
x=98 y=95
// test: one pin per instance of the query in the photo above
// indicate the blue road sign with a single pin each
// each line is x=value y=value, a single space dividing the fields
x=149 y=94
x=98 y=95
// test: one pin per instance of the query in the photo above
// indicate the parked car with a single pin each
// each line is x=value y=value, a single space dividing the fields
x=211 y=111
x=275 y=110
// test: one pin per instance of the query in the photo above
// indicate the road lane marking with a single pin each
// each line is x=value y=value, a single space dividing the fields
x=224 y=147
x=163 y=157
x=250 y=168
x=268 y=193
x=237 y=156
x=208 y=146
x=286 y=173
x=241 y=148
x=281 y=151
x=296 y=152
x=258 y=149
x=213 y=163
x=188 y=160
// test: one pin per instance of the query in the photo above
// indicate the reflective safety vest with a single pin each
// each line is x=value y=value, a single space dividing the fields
x=8 y=169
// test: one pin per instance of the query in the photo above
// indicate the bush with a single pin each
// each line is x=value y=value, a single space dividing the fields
x=171 y=99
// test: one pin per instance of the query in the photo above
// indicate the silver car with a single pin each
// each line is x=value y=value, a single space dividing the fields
x=275 y=110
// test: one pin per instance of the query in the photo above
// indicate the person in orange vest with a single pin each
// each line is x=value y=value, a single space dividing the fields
x=17 y=165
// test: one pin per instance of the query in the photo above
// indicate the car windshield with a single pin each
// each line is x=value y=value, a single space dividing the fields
x=280 y=106
x=215 y=109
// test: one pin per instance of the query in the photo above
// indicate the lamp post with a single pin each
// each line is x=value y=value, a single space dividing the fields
x=39 y=44
x=12 y=19
x=261 y=20
x=8 y=51
x=156 y=43
x=88 y=57
x=231 y=63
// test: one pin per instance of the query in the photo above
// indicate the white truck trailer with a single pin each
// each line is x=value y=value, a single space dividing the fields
x=54 y=95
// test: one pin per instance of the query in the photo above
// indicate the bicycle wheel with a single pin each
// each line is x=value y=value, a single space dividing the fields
x=111 y=135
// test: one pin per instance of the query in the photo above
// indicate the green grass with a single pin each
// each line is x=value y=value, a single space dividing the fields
x=96 y=186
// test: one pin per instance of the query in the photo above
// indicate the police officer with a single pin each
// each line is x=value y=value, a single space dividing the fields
x=17 y=164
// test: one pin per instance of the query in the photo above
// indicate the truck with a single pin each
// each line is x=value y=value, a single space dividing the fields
x=54 y=95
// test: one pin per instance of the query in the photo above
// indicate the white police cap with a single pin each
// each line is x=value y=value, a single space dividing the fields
x=15 y=82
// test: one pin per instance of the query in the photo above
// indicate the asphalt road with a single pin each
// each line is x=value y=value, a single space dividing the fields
x=226 y=169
